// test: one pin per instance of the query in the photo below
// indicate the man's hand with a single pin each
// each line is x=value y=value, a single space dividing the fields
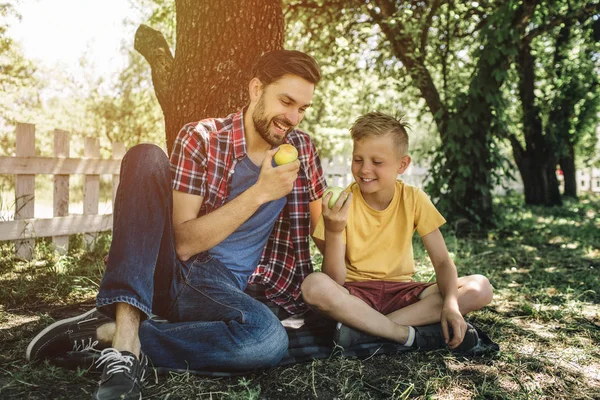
x=452 y=318
x=335 y=217
x=275 y=182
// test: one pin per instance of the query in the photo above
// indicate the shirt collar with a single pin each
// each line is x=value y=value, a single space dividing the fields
x=238 y=136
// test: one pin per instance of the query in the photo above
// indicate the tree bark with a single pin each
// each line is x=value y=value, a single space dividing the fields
x=216 y=46
x=537 y=163
x=567 y=165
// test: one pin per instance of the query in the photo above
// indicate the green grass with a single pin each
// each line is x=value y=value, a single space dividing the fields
x=543 y=262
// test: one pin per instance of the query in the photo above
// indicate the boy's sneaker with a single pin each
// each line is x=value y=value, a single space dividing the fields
x=76 y=334
x=122 y=375
x=345 y=336
x=430 y=337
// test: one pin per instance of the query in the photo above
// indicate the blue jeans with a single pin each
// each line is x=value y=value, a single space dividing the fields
x=212 y=324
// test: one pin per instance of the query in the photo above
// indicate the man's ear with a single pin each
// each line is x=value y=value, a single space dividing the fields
x=255 y=88
x=404 y=163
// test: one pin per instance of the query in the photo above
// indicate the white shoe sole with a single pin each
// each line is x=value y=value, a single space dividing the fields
x=49 y=328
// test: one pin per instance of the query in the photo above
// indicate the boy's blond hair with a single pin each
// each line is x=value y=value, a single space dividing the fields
x=376 y=124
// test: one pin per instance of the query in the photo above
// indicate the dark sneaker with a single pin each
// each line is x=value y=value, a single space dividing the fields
x=76 y=334
x=470 y=341
x=345 y=336
x=122 y=376
x=431 y=337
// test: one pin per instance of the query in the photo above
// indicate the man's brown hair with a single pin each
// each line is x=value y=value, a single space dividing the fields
x=277 y=63
x=376 y=124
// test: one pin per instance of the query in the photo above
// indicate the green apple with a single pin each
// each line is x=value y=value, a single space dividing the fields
x=286 y=154
x=336 y=192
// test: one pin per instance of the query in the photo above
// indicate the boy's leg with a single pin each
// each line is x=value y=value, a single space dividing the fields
x=322 y=293
x=474 y=293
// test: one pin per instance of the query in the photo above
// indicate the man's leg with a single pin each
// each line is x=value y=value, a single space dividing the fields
x=142 y=249
x=219 y=326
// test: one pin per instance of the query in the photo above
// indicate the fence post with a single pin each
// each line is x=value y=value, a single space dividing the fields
x=118 y=151
x=61 y=188
x=25 y=187
x=91 y=186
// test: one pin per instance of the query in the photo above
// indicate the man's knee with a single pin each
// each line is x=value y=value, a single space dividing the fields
x=146 y=157
x=268 y=346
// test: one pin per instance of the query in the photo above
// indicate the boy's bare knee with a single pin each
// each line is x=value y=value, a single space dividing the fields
x=316 y=288
x=482 y=291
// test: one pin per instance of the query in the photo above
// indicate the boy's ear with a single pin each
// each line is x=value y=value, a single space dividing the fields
x=255 y=88
x=404 y=163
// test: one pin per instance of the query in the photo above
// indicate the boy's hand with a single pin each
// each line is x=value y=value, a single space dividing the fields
x=275 y=182
x=335 y=217
x=452 y=318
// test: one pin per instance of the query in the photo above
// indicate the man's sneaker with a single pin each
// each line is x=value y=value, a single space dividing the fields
x=345 y=336
x=122 y=375
x=76 y=334
x=430 y=337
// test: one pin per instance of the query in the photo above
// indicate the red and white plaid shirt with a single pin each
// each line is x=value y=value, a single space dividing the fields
x=204 y=158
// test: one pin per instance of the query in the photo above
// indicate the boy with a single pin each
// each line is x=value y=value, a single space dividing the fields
x=366 y=279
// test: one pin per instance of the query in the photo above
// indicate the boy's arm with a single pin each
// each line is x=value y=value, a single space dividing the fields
x=447 y=281
x=315 y=213
x=334 y=255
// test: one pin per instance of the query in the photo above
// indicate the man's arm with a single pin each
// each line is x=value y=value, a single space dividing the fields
x=195 y=234
x=447 y=281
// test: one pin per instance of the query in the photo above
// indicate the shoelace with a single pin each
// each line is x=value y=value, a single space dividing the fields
x=85 y=345
x=115 y=361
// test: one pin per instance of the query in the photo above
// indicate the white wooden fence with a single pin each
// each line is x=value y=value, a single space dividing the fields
x=25 y=166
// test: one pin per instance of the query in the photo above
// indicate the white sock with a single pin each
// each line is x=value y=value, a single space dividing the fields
x=411 y=337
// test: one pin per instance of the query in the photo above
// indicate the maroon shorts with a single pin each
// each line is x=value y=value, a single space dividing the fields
x=387 y=296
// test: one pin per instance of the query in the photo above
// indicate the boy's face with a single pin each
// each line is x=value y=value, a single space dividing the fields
x=376 y=164
x=280 y=106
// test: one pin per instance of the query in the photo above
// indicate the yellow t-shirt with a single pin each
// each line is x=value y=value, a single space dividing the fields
x=379 y=243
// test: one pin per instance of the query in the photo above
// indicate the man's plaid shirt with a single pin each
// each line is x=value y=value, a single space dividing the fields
x=203 y=161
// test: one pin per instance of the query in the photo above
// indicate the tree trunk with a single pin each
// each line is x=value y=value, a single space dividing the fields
x=539 y=180
x=537 y=162
x=567 y=165
x=216 y=47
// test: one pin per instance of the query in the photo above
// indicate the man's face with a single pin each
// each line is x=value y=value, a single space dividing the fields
x=280 y=107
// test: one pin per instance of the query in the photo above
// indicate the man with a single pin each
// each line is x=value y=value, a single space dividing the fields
x=189 y=236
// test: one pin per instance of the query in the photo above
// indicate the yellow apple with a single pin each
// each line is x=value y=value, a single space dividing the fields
x=286 y=154
x=336 y=192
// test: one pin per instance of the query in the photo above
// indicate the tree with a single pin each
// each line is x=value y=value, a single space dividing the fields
x=577 y=104
x=216 y=46
x=558 y=101
x=456 y=56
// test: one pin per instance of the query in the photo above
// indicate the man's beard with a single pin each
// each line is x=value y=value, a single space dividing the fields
x=261 y=124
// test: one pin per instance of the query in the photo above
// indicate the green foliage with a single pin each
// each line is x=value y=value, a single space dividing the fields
x=19 y=81
x=359 y=73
